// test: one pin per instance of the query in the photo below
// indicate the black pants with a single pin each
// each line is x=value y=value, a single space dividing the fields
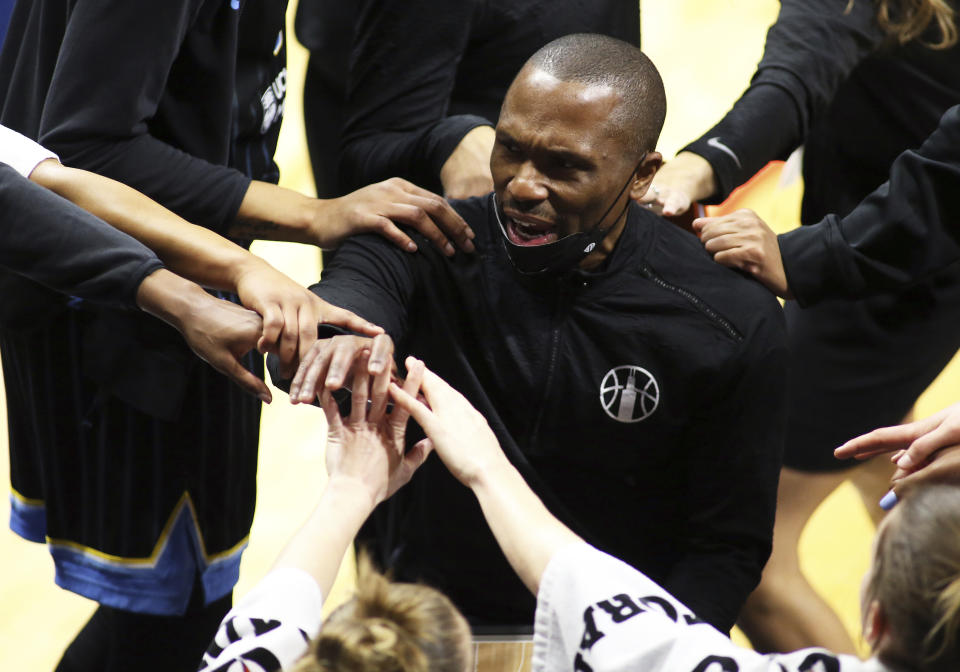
x=114 y=640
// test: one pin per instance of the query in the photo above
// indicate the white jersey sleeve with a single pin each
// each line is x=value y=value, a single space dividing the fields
x=597 y=614
x=20 y=152
x=270 y=629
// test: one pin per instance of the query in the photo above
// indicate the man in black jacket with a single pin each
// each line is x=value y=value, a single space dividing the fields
x=636 y=385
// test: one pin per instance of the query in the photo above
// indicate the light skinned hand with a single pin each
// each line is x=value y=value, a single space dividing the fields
x=331 y=362
x=686 y=179
x=376 y=208
x=457 y=432
x=367 y=446
x=912 y=443
x=943 y=466
x=466 y=172
x=742 y=240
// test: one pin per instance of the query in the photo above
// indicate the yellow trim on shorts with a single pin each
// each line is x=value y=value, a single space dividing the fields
x=25 y=500
x=151 y=560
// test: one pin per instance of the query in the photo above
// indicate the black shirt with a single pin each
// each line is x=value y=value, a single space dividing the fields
x=423 y=73
x=643 y=403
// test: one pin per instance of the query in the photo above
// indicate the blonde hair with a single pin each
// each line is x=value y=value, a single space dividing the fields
x=916 y=580
x=906 y=20
x=391 y=627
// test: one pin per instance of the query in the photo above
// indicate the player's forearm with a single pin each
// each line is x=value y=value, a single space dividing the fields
x=527 y=532
x=171 y=298
x=319 y=545
x=271 y=212
x=188 y=250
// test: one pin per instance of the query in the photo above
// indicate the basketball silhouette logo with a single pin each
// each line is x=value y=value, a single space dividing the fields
x=629 y=394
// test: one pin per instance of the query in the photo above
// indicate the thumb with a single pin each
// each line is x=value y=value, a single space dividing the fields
x=231 y=368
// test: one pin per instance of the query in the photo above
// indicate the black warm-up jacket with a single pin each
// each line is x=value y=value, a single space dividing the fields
x=906 y=230
x=643 y=402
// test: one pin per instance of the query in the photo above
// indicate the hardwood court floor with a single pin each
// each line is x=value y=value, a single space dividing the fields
x=706 y=52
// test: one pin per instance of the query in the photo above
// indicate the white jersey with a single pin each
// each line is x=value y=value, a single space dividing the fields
x=20 y=152
x=597 y=614
x=270 y=629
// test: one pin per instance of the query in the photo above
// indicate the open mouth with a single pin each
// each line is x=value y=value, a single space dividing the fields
x=529 y=232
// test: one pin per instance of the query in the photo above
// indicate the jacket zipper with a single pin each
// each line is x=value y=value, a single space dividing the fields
x=695 y=300
x=551 y=368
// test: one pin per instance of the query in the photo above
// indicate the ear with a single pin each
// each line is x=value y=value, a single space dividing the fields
x=875 y=625
x=644 y=174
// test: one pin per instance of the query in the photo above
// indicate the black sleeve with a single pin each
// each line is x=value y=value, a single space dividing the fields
x=53 y=242
x=402 y=71
x=901 y=233
x=810 y=50
x=111 y=74
x=734 y=452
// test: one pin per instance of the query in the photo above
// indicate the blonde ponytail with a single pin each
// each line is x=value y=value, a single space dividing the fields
x=391 y=627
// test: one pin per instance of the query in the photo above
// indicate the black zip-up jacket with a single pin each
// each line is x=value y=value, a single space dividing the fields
x=424 y=73
x=831 y=78
x=906 y=230
x=643 y=403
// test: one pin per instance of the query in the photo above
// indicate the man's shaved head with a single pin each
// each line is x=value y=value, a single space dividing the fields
x=599 y=60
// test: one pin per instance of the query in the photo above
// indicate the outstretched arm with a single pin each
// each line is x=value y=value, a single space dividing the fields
x=527 y=532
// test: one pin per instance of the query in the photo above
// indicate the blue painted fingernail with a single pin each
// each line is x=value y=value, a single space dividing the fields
x=888 y=501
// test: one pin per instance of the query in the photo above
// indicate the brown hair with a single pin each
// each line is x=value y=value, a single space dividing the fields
x=391 y=627
x=916 y=580
x=906 y=20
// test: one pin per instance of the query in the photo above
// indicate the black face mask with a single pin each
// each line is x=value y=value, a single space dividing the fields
x=564 y=254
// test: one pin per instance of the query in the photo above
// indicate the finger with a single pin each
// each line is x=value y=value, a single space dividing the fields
x=332 y=411
x=881 y=440
x=443 y=214
x=674 y=203
x=307 y=320
x=288 y=343
x=418 y=454
x=342 y=359
x=360 y=392
x=897 y=455
x=272 y=326
x=315 y=378
x=340 y=317
x=381 y=373
x=417 y=217
x=411 y=385
x=414 y=408
x=299 y=378
x=233 y=369
x=923 y=447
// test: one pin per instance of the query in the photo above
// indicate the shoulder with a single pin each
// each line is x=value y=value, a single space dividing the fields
x=681 y=259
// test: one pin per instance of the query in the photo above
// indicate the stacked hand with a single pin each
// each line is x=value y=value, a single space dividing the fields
x=924 y=451
x=290 y=312
x=367 y=446
x=375 y=208
x=742 y=240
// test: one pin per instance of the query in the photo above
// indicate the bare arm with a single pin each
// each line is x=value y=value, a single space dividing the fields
x=527 y=532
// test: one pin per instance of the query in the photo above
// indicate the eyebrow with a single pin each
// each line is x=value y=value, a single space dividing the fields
x=555 y=153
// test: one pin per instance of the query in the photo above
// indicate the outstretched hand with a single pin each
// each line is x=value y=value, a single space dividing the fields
x=375 y=208
x=455 y=430
x=290 y=313
x=367 y=447
x=927 y=449
x=742 y=240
